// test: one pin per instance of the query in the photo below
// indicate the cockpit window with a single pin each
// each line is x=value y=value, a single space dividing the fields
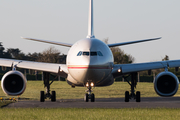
x=93 y=53
x=86 y=53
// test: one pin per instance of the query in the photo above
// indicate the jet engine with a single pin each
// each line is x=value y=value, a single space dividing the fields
x=166 y=84
x=13 y=83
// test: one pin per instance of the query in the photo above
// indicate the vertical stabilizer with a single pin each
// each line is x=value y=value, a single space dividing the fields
x=90 y=25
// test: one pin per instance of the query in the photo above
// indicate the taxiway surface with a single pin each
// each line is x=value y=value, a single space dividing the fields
x=146 y=102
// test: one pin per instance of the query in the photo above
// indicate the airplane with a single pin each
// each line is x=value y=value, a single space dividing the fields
x=90 y=64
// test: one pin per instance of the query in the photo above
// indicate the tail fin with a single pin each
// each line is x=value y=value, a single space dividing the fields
x=90 y=26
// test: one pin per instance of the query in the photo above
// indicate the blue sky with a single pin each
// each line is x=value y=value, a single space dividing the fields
x=118 y=20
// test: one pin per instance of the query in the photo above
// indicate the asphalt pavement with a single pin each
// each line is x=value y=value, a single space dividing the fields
x=146 y=102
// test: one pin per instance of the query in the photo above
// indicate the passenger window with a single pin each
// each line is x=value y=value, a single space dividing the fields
x=86 y=53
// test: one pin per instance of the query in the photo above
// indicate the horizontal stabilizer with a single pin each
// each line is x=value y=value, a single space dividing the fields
x=48 y=41
x=132 y=42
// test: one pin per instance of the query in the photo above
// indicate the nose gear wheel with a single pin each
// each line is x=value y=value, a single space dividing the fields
x=89 y=95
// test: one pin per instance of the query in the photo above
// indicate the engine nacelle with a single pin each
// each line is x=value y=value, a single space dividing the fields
x=13 y=83
x=166 y=84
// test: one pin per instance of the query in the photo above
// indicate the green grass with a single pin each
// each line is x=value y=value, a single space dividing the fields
x=64 y=91
x=90 y=114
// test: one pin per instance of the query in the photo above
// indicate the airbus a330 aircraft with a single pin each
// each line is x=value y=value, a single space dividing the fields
x=89 y=64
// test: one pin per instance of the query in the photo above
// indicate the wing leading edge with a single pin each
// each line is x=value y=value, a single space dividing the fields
x=136 y=67
x=60 y=69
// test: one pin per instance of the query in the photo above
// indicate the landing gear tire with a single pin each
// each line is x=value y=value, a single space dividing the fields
x=53 y=96
x=41 y=96
x=86 y=97
x=138 y=96
x=92 y=97
x=127 y=96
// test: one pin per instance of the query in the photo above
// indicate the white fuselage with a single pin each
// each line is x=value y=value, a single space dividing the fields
x=90 y=59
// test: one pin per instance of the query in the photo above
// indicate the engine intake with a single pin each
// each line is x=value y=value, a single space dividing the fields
x=13 y=83
x=166 y=84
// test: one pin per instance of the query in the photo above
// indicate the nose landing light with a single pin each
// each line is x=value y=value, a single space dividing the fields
x=91 y=84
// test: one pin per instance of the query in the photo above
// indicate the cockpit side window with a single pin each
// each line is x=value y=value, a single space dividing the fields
x=99 y=53
x=79 y=53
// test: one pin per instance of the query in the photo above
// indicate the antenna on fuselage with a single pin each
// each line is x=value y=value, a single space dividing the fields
x=90 y=25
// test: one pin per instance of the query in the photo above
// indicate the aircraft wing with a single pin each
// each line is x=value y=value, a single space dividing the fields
x=48 y=41
x=132 y=42
x=120 y=69
x=60 y=69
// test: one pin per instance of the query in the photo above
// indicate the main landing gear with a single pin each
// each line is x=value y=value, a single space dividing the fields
x=51 y=96
x=133 y=84
x=89 y=95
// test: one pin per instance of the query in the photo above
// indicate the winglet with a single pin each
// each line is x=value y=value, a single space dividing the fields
x=90 y=25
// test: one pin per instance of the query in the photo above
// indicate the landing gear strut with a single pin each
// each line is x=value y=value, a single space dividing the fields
x=132 y=94
x=51 y=96
x=89 y=95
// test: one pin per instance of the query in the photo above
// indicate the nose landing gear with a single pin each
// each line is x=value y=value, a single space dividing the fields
x=89 y=95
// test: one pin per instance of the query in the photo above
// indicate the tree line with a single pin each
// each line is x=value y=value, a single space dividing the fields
x=50 y=55
x=120 y=57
